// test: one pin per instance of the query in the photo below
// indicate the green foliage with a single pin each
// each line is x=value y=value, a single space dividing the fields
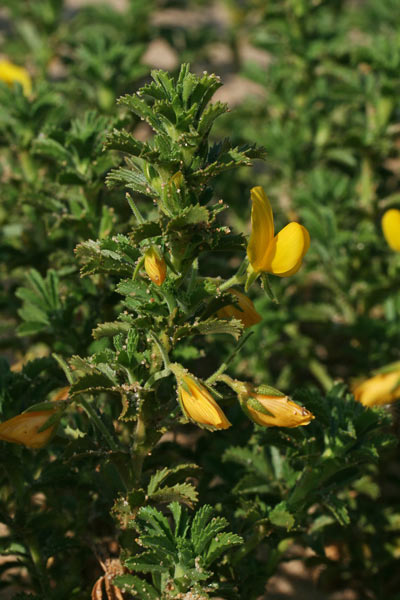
x=127 y=485
x=178 y=557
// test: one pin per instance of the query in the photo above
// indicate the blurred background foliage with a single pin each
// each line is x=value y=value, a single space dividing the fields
x=314 y=82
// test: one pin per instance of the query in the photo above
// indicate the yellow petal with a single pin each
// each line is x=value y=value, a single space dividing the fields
x=200 y=406
x=391 y=228
x=300 y=261
x=380 y=389
x=23 y=429
x=10 y=73
x=283 y=412
x=286 y=250
x=246 y=313
x=155 y=266
x=262 y=228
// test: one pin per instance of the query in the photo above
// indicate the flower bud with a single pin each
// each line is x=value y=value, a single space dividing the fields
x=24 y=429
x=10 y=74
x=199 y=406
x=380 y=389
x=245 y=312
x=61 y=394
x=268 y=407
x=391 y=228
x=155 y=266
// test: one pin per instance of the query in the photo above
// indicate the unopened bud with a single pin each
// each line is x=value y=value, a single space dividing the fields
x=268 y=407
x=199 y=406
x=155 y=266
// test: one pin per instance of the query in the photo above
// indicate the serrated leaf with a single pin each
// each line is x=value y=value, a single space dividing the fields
x=338 y=509
x=232 y=327
x=221 y=543
x=136 y=586
x=145 y=231
x=125 y=142
x=29 y=328
x=91 y=383
x=132 y=179
x=281 y=517
x=140 y=563
x=203 y=530
x=52 y=149
x=156 y=520
x=181 y=492
x=156 y=479
x=110 y=329
x=191 y=215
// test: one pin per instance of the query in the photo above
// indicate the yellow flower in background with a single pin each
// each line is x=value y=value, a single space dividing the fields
x=246 y=313
x=23 y=429
x=199 y=406
x=279 y=254
x=10 y=73
x=391 y=228
x=380 y=389
x=274 y=409
x=155 y=266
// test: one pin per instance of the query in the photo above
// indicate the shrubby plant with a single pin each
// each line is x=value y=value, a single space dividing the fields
x=145 y=452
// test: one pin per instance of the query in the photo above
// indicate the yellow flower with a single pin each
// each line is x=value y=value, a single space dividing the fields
x=391 y=228
x=279 y=254
x=273 y=409
x=155 y=266
x=10 y=73
x=23 y=429
x=199 y=406
x=380 y=389
x=246 y=313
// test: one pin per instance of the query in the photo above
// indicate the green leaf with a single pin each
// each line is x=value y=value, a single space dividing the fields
x=110 y=329
x=145 y=231
x=91 y=383
x=232 y=327
x=281 y=517
x=181 y=492
x=204 y=529
x=221 y=543
x=192 y=215
x=125 y=142
x=338 y=509
x=52 y=149
x=138 y=587
x=131 y=178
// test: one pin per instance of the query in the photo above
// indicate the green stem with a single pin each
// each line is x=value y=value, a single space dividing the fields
x=253 y=542
x=99 y=424
x=267 y=288
x=231 y=356
x=64 y=367
x=134 y=209
x=238 y=279
x=38 y=563
x=27 y=166
x=170 y=300
x=319 y=371
x=162 y=350
x=139 y=450
x=193 y=276
x=137 y=268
